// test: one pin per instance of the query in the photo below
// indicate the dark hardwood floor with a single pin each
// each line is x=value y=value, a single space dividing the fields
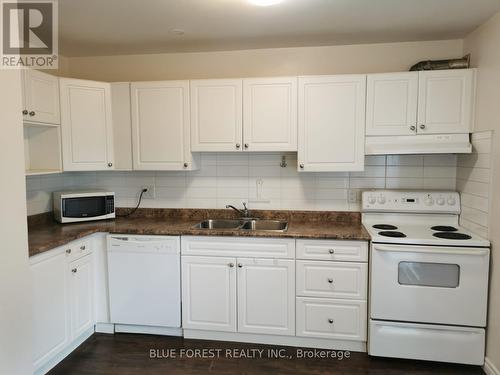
x=127 y=354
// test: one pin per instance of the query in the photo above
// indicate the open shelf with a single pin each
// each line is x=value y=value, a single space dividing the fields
x=42 y=149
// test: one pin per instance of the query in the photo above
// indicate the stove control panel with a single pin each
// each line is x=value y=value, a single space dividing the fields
x=410 y=201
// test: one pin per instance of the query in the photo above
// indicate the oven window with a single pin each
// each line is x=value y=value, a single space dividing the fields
x=429 y=274
x=84 y=207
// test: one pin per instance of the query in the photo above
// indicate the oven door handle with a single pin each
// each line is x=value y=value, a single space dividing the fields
x=434 y=250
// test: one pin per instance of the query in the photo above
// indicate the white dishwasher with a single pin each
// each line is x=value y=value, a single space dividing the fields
x=144 y=280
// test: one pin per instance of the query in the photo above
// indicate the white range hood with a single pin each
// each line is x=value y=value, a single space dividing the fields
x=418 y=144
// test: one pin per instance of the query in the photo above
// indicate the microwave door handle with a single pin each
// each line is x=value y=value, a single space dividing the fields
x=434 y=250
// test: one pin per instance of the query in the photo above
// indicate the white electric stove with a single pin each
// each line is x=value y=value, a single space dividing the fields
x=428 y=278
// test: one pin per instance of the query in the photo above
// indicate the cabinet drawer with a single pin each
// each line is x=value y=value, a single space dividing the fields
x=347 y=251
x=250 y=247
x=331 y=318
x=332 y=279
x=78 y=249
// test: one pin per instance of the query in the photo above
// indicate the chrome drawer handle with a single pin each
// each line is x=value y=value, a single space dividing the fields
x=331 y=251
x=240 y=265
x=231 y=265
x=82 y=247
x=330 y=281
x=330 y=321
x=74 y=270
x=68 y=251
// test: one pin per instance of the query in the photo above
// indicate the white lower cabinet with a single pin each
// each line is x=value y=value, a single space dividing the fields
x=331 y=318
x=63 y=302
x=81 y=287
x=209 y=293
x=266 y=296
x=51 y=330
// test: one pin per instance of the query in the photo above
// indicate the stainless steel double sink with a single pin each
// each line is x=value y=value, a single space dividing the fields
x=243 y=224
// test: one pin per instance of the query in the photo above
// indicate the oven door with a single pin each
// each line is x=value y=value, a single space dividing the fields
x=428 y=284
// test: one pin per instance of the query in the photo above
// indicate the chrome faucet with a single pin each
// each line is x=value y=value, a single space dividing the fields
x=244 y=213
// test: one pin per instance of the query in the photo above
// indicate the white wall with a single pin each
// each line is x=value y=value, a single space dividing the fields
x=484 y=44
x=362 y=58
x=15 y=281
x=232 y=178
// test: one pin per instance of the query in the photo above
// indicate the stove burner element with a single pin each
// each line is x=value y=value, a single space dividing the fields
x=385 y=226
x=391 y=234
x=452 y=236
x=444 y=228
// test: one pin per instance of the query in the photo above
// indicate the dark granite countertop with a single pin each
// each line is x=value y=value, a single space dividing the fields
x=45 y=234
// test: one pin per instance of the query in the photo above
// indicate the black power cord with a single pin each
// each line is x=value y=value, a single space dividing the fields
x=136 y=207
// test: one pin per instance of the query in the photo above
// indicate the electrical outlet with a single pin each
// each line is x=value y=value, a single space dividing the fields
x=150 y=194
x=354 y=195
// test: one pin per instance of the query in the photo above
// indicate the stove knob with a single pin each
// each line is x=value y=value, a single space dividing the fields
x=429 y=201
x=381 y=199
x=440 y=201
x=451 y=201
x=371 y=200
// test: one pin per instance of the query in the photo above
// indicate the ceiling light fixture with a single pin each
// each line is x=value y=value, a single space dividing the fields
x=265 y=3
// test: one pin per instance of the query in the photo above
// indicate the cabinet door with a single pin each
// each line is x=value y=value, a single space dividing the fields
x=209 y=293
x=81 y=286
x=266 y=296
x=391 y=103
x=216 y=115
x=446 y=100
x=270 y=114
x=51 y=329
x=331 y=123
x=86 y=125
x=41 y=97
x=160 y=125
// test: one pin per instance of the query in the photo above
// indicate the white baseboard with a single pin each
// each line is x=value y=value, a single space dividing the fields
x=148 y=330
x=489 y=368
x=105 y=328
x=304 y=342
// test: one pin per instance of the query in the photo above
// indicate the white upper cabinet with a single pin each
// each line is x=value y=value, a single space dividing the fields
x=86 y=125
x=270 y=114
x=216 y=115
x=446 y=101
x=40 y=97
x=331 y=123
x=391 y=103
x=122 y=125
x=160 y=125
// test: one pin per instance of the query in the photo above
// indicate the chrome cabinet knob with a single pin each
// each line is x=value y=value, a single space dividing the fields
x=25 y=112
x=186 y=165
x=331 y=251
x=330 y=281
x=238 y=146
x=240 y=265
x=422 y=126
x=68 y=251
x=301 y=166
x=413 y=128
x=246 y=145
x=32 y=113
x=82 y=247
x=231 y=264
x=74 y=270
x=330 y=321
x=110 y=165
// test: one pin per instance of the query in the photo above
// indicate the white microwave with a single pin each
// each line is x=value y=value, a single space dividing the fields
x=83 y=205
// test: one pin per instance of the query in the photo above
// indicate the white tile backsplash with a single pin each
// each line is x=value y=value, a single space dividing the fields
x=474 y=184
x=254 y=178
